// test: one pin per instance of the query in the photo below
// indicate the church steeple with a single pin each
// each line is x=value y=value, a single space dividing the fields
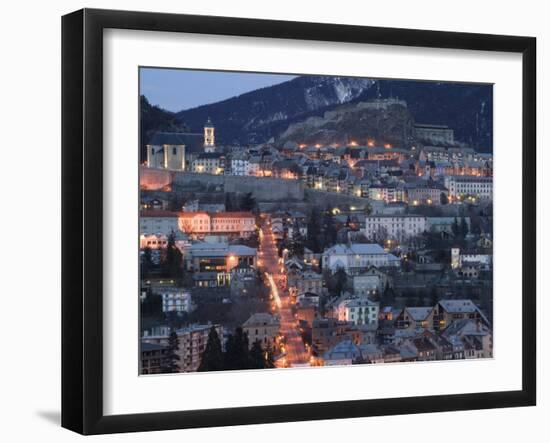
x=209 y=136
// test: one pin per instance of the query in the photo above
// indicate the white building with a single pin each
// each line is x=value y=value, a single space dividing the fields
x=209 y=136
x=462 y=258
x=166 y=150
x=357 y=257
x=176 y=301
x=485 y=260
x=359 y=311
x=459 y=186
x=394 y=227
x=240 y=164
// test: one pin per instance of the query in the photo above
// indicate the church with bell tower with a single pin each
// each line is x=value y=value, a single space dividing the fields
x=209 y=137
x=176 y=151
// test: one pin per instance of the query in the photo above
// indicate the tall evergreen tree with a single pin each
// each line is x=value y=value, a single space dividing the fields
x=236 y=351
x=296 y=242
x=151 y=306
x=388 y=296
x=338 y=281
x=212 y=357
x=329 y=229
x=248 y=202
x=172 y=258
x=475 y=226
x=257 y=356
x=269 y=359
x=314 y=240
x=172 y=358
x=146 y=262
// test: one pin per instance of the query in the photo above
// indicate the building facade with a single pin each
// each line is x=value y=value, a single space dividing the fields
x=154 y=358
x=262 y=327
x=201 y=223
x=394 y=227
x=191 y=342
x=358 y=311
x=357 y=257
x=460 y=186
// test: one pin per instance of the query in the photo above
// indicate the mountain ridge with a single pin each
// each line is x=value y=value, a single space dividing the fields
x=267 y=113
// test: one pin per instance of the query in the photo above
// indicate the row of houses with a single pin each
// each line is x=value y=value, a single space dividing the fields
x=452 y=329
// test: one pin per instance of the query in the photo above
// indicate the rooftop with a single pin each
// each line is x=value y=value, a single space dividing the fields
x=344 y=350
x=158 y=213
x=261 y=319
x=419 y=314
x=356 y=248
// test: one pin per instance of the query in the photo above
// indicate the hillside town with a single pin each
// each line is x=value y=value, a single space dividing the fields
x=293 y=254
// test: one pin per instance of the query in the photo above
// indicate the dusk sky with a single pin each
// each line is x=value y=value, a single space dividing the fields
x=180 y=89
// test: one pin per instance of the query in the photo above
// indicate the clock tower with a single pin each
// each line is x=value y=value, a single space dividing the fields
x=209 y=137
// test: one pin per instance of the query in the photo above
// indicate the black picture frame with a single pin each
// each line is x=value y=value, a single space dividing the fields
x=82 y=188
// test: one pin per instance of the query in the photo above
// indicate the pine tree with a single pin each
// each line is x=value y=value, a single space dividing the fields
x=257 y=355
x=338 y=281
x=476 y=227
x=146 y=262
x=212 y=357
x=314 y=241
x=296 y=242
x=269 y=359
x=248 y=202
x=329 y=230
x=236 y=351
x=152 y=305
x=172 y=357
x=388 y=296
x=172 y=258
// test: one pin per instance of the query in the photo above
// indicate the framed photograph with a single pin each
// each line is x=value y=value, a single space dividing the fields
x=270 y=221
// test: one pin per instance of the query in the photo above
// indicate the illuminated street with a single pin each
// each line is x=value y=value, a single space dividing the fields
x=294 y=351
